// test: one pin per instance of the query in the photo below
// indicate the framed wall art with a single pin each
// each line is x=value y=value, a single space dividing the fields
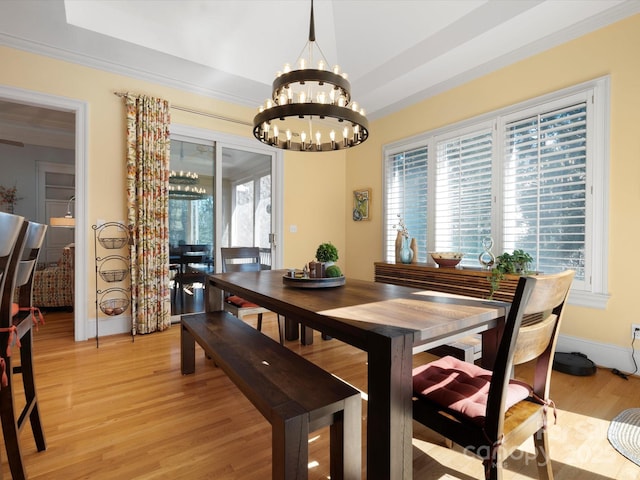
x=361 y=204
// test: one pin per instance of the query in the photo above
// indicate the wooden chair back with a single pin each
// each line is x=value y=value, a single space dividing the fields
x=530 y=333
x=27 y=264
x=240 y=259
x=10 y=275
x=10 y=228
x=541 y=298
x=245 y=259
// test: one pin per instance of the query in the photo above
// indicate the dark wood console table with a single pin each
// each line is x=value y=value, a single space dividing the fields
x=472 y=282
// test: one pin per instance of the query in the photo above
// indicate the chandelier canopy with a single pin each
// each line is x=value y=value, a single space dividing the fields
x=311 y=109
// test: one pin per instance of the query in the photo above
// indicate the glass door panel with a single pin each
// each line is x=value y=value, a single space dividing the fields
x=247 y=200
x=191 y=222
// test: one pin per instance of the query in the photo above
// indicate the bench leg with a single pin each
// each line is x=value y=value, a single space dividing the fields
x=187 y=351
x=346 y=441
x=290 y=448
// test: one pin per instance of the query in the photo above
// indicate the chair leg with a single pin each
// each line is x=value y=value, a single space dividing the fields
x=10 y=428
x=259 y=322
x=281 y=329
x=492 y=464
x=28 y=381
x=541 y=444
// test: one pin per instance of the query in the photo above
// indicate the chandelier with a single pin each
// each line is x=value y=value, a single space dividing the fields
x=184 y=185
x=311 y=109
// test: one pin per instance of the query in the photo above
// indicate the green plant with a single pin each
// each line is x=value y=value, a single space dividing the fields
x=327 y=252
x=516 y=263
x=333 y=271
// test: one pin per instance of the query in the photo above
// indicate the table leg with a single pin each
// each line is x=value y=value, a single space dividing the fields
x=187 y=351
x=291 y=328
x=389 y=415
x=306 y=335
x=214 y=299
x=490 y=342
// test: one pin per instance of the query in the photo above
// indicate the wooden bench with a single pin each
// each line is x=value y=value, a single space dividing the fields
x=294 y=395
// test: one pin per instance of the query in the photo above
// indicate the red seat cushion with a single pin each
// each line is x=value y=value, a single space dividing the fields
x=461 y=387
x=240 y=302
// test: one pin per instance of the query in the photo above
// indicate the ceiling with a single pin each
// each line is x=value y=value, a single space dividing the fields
x=396 y=52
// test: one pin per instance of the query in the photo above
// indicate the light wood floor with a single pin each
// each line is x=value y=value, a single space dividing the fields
x=124 y=411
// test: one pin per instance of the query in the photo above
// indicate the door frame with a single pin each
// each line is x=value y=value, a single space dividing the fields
x=80 y=109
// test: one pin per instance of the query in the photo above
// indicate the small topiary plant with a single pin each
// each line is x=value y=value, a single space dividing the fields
x=327 y=252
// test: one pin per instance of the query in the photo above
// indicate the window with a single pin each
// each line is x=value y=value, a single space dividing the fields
x=533 y=176
x=252 y=212
x=406 y=174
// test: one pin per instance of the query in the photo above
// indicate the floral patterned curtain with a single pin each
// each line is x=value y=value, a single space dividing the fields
x=148 y=153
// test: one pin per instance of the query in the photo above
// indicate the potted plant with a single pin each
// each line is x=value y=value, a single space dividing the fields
x=326 y=252
x=516 y=263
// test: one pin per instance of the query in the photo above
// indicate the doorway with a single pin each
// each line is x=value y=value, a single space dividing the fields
x=44 y=130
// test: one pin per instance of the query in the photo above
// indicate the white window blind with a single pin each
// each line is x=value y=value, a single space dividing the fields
x=545 y=188
x=406 y=196
x=463 y=194
x=533 y=176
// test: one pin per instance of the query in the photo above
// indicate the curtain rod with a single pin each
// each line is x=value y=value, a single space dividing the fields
x=196 y=112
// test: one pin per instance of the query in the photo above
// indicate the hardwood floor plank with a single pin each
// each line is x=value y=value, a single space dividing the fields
x=124 y=411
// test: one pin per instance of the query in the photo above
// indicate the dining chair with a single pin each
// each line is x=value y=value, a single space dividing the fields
x=19 y=322
x=486 y=412
x=245 y=259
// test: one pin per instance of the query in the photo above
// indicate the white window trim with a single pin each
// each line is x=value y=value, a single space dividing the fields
x=595 y=294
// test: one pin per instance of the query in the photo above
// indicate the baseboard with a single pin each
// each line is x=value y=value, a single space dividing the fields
x=109 y=326
x=602 y=354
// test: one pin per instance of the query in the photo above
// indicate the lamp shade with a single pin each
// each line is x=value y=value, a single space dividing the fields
x=64 y=222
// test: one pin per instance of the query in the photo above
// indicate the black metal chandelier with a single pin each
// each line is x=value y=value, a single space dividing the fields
x=311 y=109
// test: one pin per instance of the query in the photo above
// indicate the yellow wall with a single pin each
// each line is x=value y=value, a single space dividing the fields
x=607 y=51
x=318 y=188
x=313 y=184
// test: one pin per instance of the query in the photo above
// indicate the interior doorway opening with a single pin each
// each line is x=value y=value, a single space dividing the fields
x=38 y=126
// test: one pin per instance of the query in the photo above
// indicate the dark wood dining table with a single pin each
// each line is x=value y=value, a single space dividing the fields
x=390 y=323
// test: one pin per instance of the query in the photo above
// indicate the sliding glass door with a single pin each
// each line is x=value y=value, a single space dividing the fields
x=221 y=194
